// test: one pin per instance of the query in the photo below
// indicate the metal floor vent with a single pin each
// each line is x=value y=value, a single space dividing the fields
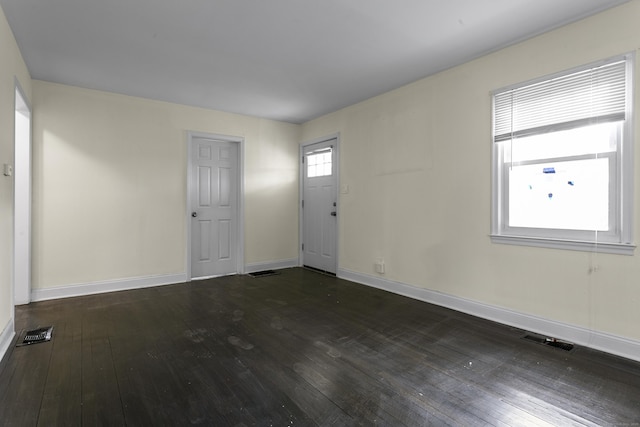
x=37 y=335
x=317 y=270
x=263 y=273
x=551 y=342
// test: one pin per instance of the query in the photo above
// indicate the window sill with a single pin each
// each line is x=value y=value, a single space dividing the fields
x=600 y=247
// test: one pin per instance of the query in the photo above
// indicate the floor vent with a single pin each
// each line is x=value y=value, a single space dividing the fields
x=551 y=342
x=36 y=336
x=263 y=273
x=317 y=270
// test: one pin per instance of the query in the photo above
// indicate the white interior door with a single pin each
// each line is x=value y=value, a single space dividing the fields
x=319 y=206
x=213 y=187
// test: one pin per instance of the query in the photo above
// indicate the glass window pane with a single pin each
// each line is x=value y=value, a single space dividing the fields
x=571 y=195
x=574 y=142
x=319 y=164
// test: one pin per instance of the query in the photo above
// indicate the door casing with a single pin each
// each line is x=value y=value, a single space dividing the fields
x=240 y=216
x=22 y=201
x=303 y=147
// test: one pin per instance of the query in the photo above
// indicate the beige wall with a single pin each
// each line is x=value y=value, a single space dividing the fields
x=417 y=161
x=12 y=66
x=110 y=185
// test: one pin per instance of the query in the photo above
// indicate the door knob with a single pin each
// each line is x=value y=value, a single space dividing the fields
x=194 y=214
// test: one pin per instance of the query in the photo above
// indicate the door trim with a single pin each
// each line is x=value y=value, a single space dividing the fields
x=302 y=147
x=191 y=135
x=22 y=203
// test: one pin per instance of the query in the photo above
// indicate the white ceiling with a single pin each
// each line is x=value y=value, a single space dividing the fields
x=290 y=60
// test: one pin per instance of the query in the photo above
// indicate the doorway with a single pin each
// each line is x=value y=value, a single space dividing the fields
x=214 y=206
x=22 y=200
x=320 y=205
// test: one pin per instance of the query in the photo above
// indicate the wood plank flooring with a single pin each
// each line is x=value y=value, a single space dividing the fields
x=297 y=349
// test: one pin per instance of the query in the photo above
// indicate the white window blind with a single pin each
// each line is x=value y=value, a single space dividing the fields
x=594 y=95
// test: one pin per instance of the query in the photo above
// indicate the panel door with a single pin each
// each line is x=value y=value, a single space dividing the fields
x=214 y=208
x=319 y=211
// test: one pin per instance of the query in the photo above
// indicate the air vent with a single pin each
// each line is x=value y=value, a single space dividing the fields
x=263 y=273
x=36 y=336
x=552 y=342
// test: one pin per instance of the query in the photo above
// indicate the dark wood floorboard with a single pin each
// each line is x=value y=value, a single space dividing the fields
x=297 y=349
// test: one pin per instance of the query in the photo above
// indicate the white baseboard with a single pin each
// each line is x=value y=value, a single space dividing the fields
x=6 y=338
x=271 y=265
x=105 y=286
x=82 y=289
x=619 y=346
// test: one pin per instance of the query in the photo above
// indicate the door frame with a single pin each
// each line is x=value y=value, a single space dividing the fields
x=23 y=171
x=302 y=149
x=191 y=135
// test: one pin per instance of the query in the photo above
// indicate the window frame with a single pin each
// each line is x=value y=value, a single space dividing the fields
x=618 y=240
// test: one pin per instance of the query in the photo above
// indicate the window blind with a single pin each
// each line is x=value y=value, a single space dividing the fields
x=585 y=97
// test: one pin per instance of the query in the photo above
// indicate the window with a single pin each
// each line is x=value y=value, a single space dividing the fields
x=562 y=160
x=319 y=163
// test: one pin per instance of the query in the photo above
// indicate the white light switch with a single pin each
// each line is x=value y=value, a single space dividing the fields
x=8 y=169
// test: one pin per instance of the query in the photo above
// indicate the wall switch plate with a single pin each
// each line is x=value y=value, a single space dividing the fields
x=8 y=169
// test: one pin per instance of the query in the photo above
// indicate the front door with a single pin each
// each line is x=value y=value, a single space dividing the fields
x=319 y=206
x=214 y=207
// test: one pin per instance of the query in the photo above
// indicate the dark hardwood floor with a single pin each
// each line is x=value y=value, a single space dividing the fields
x=297 y=349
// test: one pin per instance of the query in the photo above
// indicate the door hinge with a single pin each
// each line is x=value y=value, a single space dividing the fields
x=303 y=246
x=303 y=160
x=303 y=204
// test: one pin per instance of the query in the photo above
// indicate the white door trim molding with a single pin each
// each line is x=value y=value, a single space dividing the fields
x=304 y=144
x=191 y=135
x=22 y=181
